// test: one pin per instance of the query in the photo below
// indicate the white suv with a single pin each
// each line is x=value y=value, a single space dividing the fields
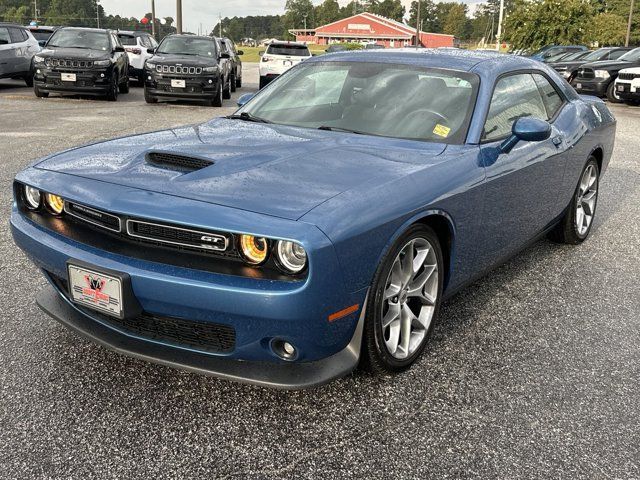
x=627 y=85
x=280 y=57
x=136 y=44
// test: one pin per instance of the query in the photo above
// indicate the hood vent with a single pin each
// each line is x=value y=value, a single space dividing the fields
x=177 y=162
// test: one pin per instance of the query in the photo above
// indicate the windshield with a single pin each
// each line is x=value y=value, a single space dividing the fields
x=378 y=99
x=41 y=34
x=188 y=46
x=68 y=38
x=631 y=56
x=290 y=50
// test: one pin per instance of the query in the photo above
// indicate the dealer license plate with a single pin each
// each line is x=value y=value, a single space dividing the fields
x=578 y=85
x=178 y=83
x=621 y=88
x=96 y=290
x=68 y=77
x=287 y=63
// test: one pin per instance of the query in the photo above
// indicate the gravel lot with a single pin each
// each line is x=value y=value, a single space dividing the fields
x=533 y=372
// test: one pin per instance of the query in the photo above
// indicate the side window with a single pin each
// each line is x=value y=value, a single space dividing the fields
x=551 y=98
x=616 y=54
x=5 y=38
x=16 y=35
x=514 y=97
x=153 y=42
x=144 y=42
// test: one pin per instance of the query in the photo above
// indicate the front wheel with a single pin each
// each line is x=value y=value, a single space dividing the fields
x=216 y=101
x=112 y=94
x=124 y=87
x=404 y=301
x=148 y=97
x=39 y=93
x=575 y=226
x=612 y=95
x=28 y=79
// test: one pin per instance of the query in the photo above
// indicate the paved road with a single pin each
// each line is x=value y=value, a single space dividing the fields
x=533 y=372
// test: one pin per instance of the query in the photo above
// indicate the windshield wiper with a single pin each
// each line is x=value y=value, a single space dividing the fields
x=339 y=129
x=247 y=117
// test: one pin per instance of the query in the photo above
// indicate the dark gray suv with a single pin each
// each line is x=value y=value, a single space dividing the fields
x=17 y=48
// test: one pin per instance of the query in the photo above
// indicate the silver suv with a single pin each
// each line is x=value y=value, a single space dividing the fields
x=17 y=47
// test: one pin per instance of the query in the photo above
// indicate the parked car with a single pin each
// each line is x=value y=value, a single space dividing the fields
x=82 y=61
x=568 y=66
x=137 y=46
x=280 y=57
x=598 y=78
x=17 y=48
x=550 y=51
x=627 y=85
x=188 y=67
x=336 y=48
x=282 y=244
x=229 y=48
x=41 y=33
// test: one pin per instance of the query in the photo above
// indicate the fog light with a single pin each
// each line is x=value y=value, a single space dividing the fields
x=55 y=203
x=32 y=197
x=38 y=71
x=210 y=81
x=284 y=349
x=102 y=75
x=148 y=77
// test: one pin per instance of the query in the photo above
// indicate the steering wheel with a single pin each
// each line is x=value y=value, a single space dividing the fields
x=417 y=117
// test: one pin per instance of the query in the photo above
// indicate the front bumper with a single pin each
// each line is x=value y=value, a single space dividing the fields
x=196 y=87
x=591 y=86
x=89 y=82
x=624 y=90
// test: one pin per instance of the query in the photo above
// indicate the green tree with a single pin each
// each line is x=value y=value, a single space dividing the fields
x=297 y=13
x=427 y=15
x=327 y=12
x=455 y=22
x=391 y=9
x=606 y=29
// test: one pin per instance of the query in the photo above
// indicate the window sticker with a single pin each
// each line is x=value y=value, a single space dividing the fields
x=441 y=131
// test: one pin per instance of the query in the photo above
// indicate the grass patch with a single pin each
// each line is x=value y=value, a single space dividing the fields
x=251 y=54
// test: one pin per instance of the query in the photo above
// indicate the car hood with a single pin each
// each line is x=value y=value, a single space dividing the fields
x=191 y=60
x=609 y=65
x=270 y=169
x=81 y=53
x=575 y=63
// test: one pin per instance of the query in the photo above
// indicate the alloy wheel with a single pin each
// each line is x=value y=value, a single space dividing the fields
x=410 y=298
x=587 y=198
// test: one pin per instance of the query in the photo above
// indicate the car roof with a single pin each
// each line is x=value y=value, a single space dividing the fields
x=86 y=29
x=484 y=63
x=10 y=24
x=46 y=28
x=283 y=43
x=191 y=35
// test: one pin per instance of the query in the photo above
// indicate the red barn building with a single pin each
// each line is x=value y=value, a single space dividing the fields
x=371 y=28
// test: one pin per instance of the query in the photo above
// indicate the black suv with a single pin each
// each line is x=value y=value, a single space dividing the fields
x=188 y=67
x=82 y=61
x=234 y=58
x=599 y=78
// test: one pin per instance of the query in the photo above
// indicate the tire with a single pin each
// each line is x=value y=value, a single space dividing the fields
x=632 y=103
x=39 y=93
x=263 y=82
x=239 y=82
x=575 y=226
x=379 y=339
x=28 y=79
x=148 y=97
x=233 y=83
x=217 y=100
x=125 y=87
x=226 y=93
x=140 y=79
x=114 y=89
x=612 y=96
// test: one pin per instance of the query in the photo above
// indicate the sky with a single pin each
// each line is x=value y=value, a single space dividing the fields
x=205 y=12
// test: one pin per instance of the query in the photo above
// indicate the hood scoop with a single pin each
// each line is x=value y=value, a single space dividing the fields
x=173 y=161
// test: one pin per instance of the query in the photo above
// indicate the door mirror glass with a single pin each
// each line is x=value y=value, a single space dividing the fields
x=245 y=98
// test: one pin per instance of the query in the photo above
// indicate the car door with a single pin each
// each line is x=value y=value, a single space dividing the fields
x=6 y=52
x=522 y=186
x=21 y=50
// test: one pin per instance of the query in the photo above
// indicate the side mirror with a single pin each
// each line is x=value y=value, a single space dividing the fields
x=240 y=52
x=225 y=55
x=526 y=129
x=119 y=49
x=42 y=43
x=151 y=50
x=245 y=98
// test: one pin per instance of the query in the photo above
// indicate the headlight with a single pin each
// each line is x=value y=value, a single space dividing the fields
x=102 y=63
x=291 y=256
x=255 y=250
x=150 y=65
x=210 y=69
x=601 y=74
x=55 y=203
x=38 y=59
x=33 y=197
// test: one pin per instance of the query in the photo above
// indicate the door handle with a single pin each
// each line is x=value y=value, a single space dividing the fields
x=557 y=141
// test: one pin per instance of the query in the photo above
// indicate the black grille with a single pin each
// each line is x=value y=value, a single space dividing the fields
x=67 y=63
x=177 y=235
x=628 y=76
x=179 y=69
x=586 y=73
x=205 y=336
x=180 y=162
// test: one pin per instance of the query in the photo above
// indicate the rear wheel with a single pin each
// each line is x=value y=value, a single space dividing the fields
x=404 y=301
x=239 y=82
x=612 y=95
x=232 y=81
x=226 y=92
x=575 y=226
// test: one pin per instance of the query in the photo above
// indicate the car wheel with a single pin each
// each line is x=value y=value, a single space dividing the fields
x=232 y=82
x=112 y=96
x=239 y=82
x=39 y=93
x=263 y=82
x=124 y=87
x=632 y=103
x=403 y=302
x=576 y=224
x=28 y=79
x=149 y=98
x=217 y=100
x=612 y=95
x=140 y=79
x=226 y=93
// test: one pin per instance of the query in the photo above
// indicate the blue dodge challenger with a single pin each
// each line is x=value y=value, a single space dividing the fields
x=322 y=224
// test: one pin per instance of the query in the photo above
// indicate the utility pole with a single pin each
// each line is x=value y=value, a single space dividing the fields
x=153 y=19
x=35 y=10
x=500 y=19
x=305 y=21
x=626 y=42
x=179 y=16
x=418 y=23
x=220 y=23
x=98 y=12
